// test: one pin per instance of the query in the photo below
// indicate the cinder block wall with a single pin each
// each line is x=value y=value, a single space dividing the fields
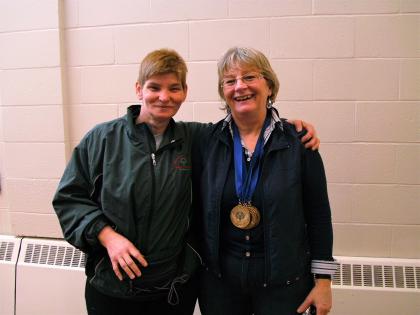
x=351 y=67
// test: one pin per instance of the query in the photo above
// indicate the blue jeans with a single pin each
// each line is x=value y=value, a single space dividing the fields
x=240 y=291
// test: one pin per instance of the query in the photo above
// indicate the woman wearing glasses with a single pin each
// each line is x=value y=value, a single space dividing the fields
x=265 y=212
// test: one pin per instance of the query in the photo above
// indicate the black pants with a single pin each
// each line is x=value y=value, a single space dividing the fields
x=241 y=292
x=101 y=304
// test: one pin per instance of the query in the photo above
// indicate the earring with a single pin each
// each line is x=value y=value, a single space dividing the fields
x=269 y=103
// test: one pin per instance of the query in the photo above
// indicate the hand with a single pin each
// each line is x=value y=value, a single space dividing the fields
x=121 y=252
x=320 y=296
x=311 y=139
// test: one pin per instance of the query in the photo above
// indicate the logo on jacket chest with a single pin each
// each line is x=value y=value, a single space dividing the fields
x=182 y=163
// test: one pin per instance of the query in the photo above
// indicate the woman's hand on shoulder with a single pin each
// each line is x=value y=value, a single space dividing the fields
x=122 y=253
x=320 y=296
x=310 y=139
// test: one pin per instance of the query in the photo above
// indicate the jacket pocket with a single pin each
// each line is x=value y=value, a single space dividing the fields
x=155 y=281
x=105 y=280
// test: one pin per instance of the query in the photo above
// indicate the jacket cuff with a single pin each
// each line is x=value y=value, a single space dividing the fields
x=95 y=227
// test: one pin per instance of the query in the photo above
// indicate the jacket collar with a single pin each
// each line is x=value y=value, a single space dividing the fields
x=275 y=119
x=278 y=139
x=137 y=131
x=276 y=126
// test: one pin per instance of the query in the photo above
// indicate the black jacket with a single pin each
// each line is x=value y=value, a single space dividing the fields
x=296 y=212
x=116 y=175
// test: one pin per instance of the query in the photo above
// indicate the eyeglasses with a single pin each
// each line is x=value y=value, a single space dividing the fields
x=248 y=78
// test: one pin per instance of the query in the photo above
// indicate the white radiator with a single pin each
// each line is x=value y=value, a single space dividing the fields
x=370 y=286
x=50 y=278
x=50 y=281
x=9 y=251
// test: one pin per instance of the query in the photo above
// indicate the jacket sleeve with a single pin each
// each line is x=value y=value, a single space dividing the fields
x=74 y=201
x=317 y=207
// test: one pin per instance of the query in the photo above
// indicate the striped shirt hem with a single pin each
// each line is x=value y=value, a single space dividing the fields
x=324 y=267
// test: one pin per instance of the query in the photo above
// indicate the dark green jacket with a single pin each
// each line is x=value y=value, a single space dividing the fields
x=117 y=177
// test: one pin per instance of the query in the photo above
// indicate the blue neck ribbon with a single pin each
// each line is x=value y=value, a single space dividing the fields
x=246 y=178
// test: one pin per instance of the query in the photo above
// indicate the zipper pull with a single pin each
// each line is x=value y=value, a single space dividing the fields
x=153 y=159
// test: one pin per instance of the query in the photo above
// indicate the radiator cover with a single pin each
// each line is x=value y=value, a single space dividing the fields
x=50 y=278
x=9 y=252
x=370 y=286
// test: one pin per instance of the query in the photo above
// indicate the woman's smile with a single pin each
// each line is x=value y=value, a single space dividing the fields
x=243 y=98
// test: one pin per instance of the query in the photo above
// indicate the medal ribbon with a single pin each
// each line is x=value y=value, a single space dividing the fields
x=246 y=179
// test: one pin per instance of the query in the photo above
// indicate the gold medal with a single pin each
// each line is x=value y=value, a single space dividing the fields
x=245 y=216
x=255 y=216
x=240 y=216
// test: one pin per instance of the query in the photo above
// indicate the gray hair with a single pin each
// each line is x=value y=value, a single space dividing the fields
x=243 y=56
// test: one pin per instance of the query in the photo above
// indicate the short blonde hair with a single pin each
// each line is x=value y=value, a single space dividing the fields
x=163 y=61
x=249 y=57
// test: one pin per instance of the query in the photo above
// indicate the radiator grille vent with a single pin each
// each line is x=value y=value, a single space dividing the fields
x=53 y=255
x=6 y=251
x=377 y=276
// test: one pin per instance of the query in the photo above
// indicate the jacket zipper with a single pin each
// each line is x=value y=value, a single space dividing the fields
x=173 y=143
x=153 y=160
